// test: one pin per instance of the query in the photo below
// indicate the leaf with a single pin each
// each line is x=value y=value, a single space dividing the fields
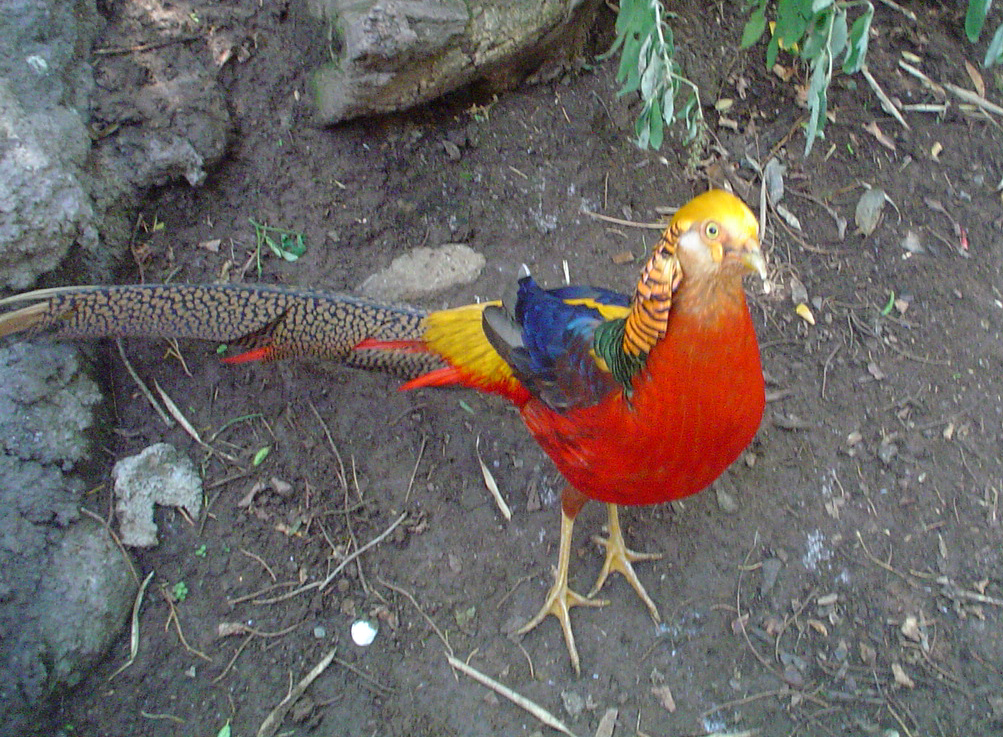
x=656 y=125
x=839 y=33
x=859 y=36
x=754 y=28
x=994 y=54
x=975 y=18
x=817 y=6
x=772 y=49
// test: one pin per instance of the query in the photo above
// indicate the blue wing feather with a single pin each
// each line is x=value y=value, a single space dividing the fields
x=555 y=361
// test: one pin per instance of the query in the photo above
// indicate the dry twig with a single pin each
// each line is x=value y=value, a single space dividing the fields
x=521 y=701
x=274 y=720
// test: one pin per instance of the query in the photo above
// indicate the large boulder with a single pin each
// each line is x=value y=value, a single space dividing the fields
x=389 y=55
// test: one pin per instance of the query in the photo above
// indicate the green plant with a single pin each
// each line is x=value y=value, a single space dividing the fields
x=286 y=244
x=648 y=65
x=179 y=591
x=821 y=30
x=975 y=19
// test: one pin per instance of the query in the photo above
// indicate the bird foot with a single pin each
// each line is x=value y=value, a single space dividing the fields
x=620 y=558
x=559 y=602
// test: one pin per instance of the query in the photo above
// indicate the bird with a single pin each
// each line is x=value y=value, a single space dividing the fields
x=638 y=399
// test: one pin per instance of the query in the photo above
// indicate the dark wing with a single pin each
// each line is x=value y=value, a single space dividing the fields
x=548 y=341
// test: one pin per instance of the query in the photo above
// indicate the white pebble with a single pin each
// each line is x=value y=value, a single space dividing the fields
x=363 y=632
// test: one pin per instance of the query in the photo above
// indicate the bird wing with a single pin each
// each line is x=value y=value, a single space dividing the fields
x=547 y=341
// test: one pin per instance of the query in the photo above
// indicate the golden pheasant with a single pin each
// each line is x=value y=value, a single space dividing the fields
x=637 y=400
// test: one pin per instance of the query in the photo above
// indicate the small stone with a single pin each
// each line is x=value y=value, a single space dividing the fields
x=770 y=571
x=425 y=271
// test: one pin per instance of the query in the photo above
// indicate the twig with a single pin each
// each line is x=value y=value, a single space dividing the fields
x=521 y=701
x=489 y=481
x=151 y=46
x=627 y=223
x=886 y=104
x=274 y=720
x=974 y=99
x=177 y=415
x=134 y=630
x=260 y=560
x=414 y=472
x=245 y=643
x=330 y=577
x=177 y=625
x=361 y=674
x=881 y=564
x=143 y=388
x=431 y=623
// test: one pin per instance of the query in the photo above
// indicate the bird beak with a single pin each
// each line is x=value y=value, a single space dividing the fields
x=753 y=259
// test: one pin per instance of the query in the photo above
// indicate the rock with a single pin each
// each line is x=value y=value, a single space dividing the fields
x=45 y=205
x=64 y=593
x=158 y=475
x=424 y=271
x=393 y=54
x=85 y=603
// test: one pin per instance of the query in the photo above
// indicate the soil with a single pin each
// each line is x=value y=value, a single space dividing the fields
x=842 y=578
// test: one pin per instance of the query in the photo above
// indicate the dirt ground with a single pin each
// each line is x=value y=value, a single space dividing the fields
x=843 y=578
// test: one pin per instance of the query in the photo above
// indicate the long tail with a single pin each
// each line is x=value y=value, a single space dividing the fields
x=269 y=322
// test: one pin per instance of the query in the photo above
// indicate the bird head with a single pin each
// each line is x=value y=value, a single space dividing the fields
x=717 y=236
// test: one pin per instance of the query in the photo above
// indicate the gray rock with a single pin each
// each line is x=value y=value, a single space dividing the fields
x=159 y=474
x=63 y=594
x=85 y=603
x=389 y=55
x=424 y=271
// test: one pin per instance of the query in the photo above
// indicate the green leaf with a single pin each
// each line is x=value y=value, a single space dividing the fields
x=839 y=33
x=975 y=18
x=772 y=48
x=656 y=125
x=994 y=54
x=261 y=455
x=224 y=731
x=859 y=36
x=754 y=28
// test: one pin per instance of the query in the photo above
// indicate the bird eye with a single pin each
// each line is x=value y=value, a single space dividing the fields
x=712 y=231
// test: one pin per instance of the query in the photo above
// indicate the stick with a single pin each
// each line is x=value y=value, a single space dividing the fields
x=274 y=720
x=521 y=701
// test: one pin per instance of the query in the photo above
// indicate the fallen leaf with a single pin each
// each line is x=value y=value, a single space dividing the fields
x=977 y=82
x=211 y=245
x=664 y=695
x=910 y=628
x=868 y=212
x=901 y=677
x=724 y=104
x=607 y=724
x=935 y=150
x=878 y=134
x=805 y=313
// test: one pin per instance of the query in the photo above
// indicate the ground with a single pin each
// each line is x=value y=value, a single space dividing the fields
x=843 y=577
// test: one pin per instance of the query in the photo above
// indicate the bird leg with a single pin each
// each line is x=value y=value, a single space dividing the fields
x=619 y=558
x=561 y=598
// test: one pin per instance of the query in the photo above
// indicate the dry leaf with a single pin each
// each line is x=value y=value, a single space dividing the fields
x=977 y=82
x=910 y=628
x=624 y=257
x=724 y=104
x=664 y=695
x=935 y=150
x=211 y=245
x=228 y=629
x=805 y=313
x=728 y=123
x=901 y=677
x=876 y=131
x=607 y=724
x=868 y=212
